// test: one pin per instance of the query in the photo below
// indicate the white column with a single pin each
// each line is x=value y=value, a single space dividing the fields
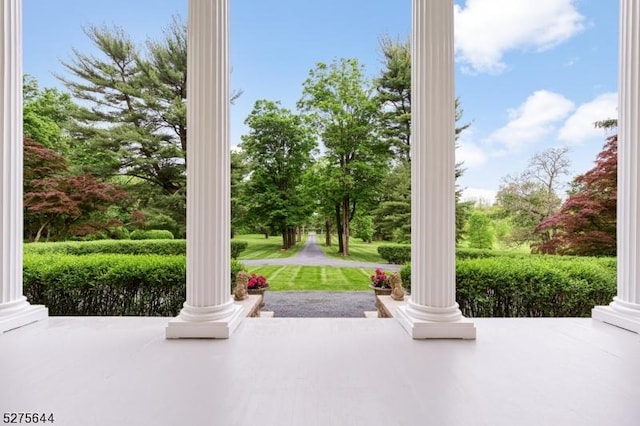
x=624 y=311
x=15 y=311
x=432 y=311
x=209 y=311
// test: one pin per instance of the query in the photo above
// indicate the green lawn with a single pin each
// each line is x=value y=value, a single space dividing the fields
x=314 y=278
x=260 y=247
x=358 y=250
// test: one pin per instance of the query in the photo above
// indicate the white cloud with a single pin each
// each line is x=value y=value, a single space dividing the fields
x=580 y=128
x=487 y=29
x=468 y=151
x=483 y=195
x=534 y=120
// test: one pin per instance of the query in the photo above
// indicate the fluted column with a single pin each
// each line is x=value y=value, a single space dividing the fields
x=432 y=311
x=624 y=311
x=15 y=311
x=209 y=311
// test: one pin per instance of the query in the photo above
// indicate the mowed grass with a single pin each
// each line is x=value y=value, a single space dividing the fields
x=314 y=278
x=260 y=247
x=358 y=250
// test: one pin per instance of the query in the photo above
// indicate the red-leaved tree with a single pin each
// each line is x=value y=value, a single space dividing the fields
x=586 y=223
x=54 y=198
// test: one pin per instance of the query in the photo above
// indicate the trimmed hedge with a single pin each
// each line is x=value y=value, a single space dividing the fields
x=395 y=253
x=401 y=253
x=238 y=247
x=152 y=234
x=159 y=247
x=531 y=286
x=109 y=284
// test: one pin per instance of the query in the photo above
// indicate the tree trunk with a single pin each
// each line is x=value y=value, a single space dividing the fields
x=299 y=232
x=327 y=235
x=339 y=228
x=285 y=238
x=291 y=236
x=345 y=226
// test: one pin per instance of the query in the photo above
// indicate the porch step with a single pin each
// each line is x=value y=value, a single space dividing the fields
x=371 y=314
x=266 y=314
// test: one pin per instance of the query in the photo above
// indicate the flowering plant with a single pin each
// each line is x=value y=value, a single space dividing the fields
x=257 y=281
x=380 y=280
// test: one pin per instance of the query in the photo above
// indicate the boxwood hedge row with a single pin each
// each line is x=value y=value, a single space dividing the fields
x=159 y=247
x=401 y=253
x=531 y=286
x=108 y=284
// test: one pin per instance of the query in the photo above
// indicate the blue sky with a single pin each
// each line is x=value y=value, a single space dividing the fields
x=530 y=74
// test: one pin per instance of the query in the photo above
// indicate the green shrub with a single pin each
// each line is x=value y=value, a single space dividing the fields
x=395 y=253
x=237 y=247
x=160 y=247
x=236 y=266
x=152 y=234
x=108 y=284
x=405 y=275
x=531 y=286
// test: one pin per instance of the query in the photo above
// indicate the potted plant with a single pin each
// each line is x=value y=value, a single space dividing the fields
x=380 y=283
x=257 y=284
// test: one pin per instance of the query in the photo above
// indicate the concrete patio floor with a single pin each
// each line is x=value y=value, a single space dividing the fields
x=293 y=371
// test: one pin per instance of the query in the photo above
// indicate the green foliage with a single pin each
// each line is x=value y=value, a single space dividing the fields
x=133 y=119
x=152 y=234
x=405 y=275
x=238 y=247
x=396 y=253
x=45 y=114
x=531 y=286
x=109 y=284
x=134 y=247
x=279 y=147
x=480 y=233
x=106 y=284
x=338 y=100
x=236 y=266
x=362 y=227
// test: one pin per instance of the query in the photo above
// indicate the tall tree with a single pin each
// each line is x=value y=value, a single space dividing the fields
x=279 y=147
x=394 y=95
x=586 y=223
x=339 y=100
x=133 y=118
x=393 y=88
x=531 y=197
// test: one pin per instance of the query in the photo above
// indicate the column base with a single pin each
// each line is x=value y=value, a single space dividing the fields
x=222 y=328
x=620 y=318
x=28 y=315
x=421 y=329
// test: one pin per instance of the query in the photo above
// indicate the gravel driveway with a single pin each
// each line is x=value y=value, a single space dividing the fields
x=319 y=304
